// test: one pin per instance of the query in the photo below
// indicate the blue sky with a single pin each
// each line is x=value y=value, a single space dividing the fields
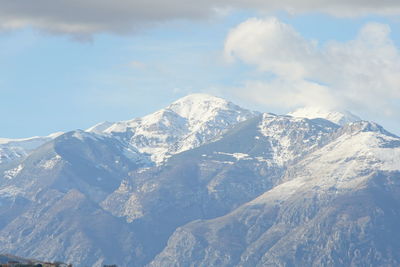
x=52 y=80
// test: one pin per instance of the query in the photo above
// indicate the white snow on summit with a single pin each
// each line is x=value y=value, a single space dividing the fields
x=338 y=117
x=14 y=149
x=30 y=142
x=200 y=108
x=187 y=123
x=100 y=127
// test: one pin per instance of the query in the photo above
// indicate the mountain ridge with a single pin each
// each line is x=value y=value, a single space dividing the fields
x=231 y=188
x=340 y=117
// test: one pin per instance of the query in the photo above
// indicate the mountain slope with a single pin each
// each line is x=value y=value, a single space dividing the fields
x=338 y=206
x=51 y=204
x=215 y=178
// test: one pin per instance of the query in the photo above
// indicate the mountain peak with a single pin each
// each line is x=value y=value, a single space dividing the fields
x=198 y=105
x=340 y=117
x=188 y=122
x=201 y=97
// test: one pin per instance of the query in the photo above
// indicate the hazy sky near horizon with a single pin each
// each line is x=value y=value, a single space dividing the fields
x=71 y=64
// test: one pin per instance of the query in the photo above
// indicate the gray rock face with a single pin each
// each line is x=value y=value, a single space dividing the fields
x=253 y=190
x=338 y=206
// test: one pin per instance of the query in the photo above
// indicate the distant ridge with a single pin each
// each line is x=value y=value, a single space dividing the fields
x=338 y=117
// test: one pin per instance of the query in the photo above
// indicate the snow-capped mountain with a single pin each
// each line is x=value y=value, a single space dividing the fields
x=335 y=116
x=231 y=187
x=187 y=123
x=262 y=147
x=12 y=150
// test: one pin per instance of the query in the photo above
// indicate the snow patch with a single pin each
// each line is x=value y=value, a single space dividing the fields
x=10 y=191
x=237 y=156
x=10 y=174
x=51 y=163
x=142 y=170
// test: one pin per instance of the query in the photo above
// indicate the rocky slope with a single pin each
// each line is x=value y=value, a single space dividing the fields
x=338 y=206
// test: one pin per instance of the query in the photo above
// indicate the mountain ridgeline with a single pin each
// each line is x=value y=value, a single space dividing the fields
x=204 y=182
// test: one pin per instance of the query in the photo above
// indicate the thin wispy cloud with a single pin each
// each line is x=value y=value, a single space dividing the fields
x=82 y=19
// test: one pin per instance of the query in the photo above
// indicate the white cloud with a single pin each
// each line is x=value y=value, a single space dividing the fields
x=361 y=74
x=271 y=45
x=287 y=93
x=85 y=18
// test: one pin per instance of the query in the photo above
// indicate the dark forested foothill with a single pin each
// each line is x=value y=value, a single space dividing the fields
x=14 y=261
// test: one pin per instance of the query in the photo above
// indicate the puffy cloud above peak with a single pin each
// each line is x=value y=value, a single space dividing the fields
x=271 y=45
x=287 y=94
x=88 y=17
x=360 y=74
